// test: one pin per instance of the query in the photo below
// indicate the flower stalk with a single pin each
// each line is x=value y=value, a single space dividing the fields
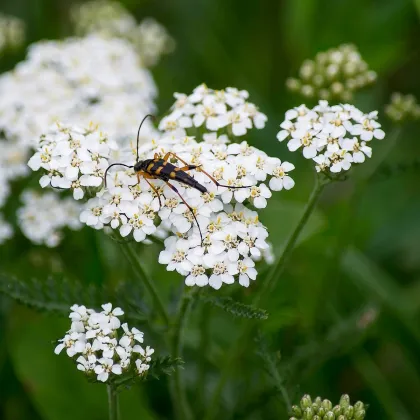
x=279 y=265
x=112 y=402
x=179 y=399
x=130 y=252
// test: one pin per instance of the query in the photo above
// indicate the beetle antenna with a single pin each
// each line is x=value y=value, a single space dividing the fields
x=138 y=133
x=114 y=164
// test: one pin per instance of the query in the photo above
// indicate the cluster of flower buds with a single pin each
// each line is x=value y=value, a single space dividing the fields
x=323 y=409
x=73 y=158
x=334 y=136
x=12 y=32
x=43 y=216
x=333 y=74
x=111 y=19
x=207 y=110
x=104 y=348
x=402 y=108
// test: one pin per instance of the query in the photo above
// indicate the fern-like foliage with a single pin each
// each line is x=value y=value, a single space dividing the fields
x=56 y=294
x=164 y=366
x=237 y=309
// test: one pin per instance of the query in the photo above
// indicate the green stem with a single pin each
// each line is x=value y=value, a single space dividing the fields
x=272 y=277
x=132 y=256
x=112 y=402
x=179 y=398
x=204 y=326
x=279 y=265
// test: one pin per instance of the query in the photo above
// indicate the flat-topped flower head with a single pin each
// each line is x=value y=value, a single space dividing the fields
x=213 y=110
x=139 y=209
x=103 y=348
x=334 y=74
x=334 y=136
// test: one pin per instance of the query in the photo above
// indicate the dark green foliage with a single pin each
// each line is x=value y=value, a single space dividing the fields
x=235 y=308
x=56 y=294
x=161 y=366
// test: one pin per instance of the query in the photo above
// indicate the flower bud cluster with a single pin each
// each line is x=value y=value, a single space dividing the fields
x=12 y=32
x=102 y=347
x=42 y=217
x=333 y=74
x=402 y=108
x=323 y=409
x=211 y=111
x=111 y=19
x=335 y=137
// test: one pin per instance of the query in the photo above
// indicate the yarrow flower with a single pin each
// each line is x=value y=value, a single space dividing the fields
x=213 y=110
x=102 y=347
x=333 y=74
x=324 y=409
x=233 y=237
x=72 y=157
x=12 y=32
x=111 y=19
x=334 y=136
x=43 y=216
x=402 y=107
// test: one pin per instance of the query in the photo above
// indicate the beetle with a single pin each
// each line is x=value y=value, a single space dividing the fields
x=161 y=168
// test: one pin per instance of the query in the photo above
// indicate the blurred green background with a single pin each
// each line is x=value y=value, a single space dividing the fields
x=344 y=317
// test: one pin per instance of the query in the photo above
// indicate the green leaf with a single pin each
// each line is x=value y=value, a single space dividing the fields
x=57 y=294
x=237 y=309
x=164 y=366
x=54 y=294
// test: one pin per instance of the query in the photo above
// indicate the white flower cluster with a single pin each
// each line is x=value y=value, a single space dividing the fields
x=102 y=346
x=213 y=110
x=43 y=216
x=73 y=158
x=60 y=81
x=233 y=237
x=402 y=108
x=12 y=32
x=6 y=231
x=110 y=19
x=336 y=73
x=334 y=136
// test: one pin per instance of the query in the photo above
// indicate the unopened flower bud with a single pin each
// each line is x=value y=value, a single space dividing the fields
x=327 y=404
x=359 y=406
x=359 y=415
x=306 y=402
x=308 y=414
x=349 y=411
x=344 y=401
x=296 y=411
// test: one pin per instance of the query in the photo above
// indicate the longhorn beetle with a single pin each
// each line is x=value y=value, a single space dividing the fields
x=161 y=168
